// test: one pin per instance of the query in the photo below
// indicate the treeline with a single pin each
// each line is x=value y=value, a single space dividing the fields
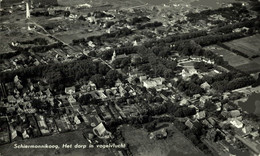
x=150 y=122
x=174 y=38
x=9 y=55
x=190 y=88
x=230 y=13
x=149 y=25
x=237 y=51
x=65 y=74
x=104 y=37
x=99 y=14
x=154 y=65
x=229 y=81
x=230 y=27
x=36 y=41
x=194 y=47
x=107 y=55
x=205 y=38
x=202 y=66
x=37 y=48
x=136 y=20
x=194 y=135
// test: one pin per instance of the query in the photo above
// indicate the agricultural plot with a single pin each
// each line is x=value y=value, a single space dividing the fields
x=249 y=45
x=72 y=138
x=232 y=58
x=140 y=144
x=252 y=67
x=237 y=61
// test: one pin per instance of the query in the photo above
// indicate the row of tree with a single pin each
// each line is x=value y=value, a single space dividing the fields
x=65 y=74
x=229 y=13
x=104 y=37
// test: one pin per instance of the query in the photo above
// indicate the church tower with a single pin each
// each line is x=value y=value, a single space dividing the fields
x=27 y=10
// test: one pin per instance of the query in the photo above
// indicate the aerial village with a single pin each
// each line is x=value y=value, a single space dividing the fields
x=95 y=71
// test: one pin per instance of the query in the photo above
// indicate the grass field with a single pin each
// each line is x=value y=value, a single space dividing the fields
x=96 y=3
x=252 y=67
x=141 y=145
x=232 y=58
x=248 y=45
x=237 y=61
x=59 y=139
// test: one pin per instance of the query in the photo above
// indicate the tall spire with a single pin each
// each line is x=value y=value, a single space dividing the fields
x=27 y=10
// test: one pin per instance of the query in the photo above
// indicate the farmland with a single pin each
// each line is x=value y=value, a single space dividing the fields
x=232 y=58
x=140 y=144
x=249 y=45
x=59 y=139
x=252 y=67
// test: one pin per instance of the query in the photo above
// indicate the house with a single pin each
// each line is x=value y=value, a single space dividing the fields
x=84 y=88
x=196 y=96
x=160 y=88
x=203 y=99
x=205 y=86
x=48 y=92
x=91 y=86
x=25 y=135
x=212 y=121
x=236 y=123
x=11 y=99
x=153 y=82
x=159 y=80
x=218 y=105
x=158 y=134
x=72 y=100
x=235 y=113
x=101 y=94
x=101 y=131
x=254 y=134
x=42 y=124
x=225 y=114
x=207 y=123
x=13 y=133
x=189 y=124
x=122 y=91
x=247 y=129
x=142 y=78
x=135 y=43
x=118 y=83
x=200 y=115
x=105 y=112
x=149 y=84
x=187 y=72
x=76 y=120
x=70 y=90
x=184 y=101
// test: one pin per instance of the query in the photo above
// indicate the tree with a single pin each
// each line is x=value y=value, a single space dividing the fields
x=210 y=106
x=103 y=69
x=98 y=79
x=85 y=99
x=184 y=111
x=111 y=77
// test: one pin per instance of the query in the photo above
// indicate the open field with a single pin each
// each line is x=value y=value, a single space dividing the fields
x=252 y=67
x=249 y=45
x=59 y=139
x=232 y=58
x=95 y=3
x=211 y=3
x=141 y=145
x=237 y=61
